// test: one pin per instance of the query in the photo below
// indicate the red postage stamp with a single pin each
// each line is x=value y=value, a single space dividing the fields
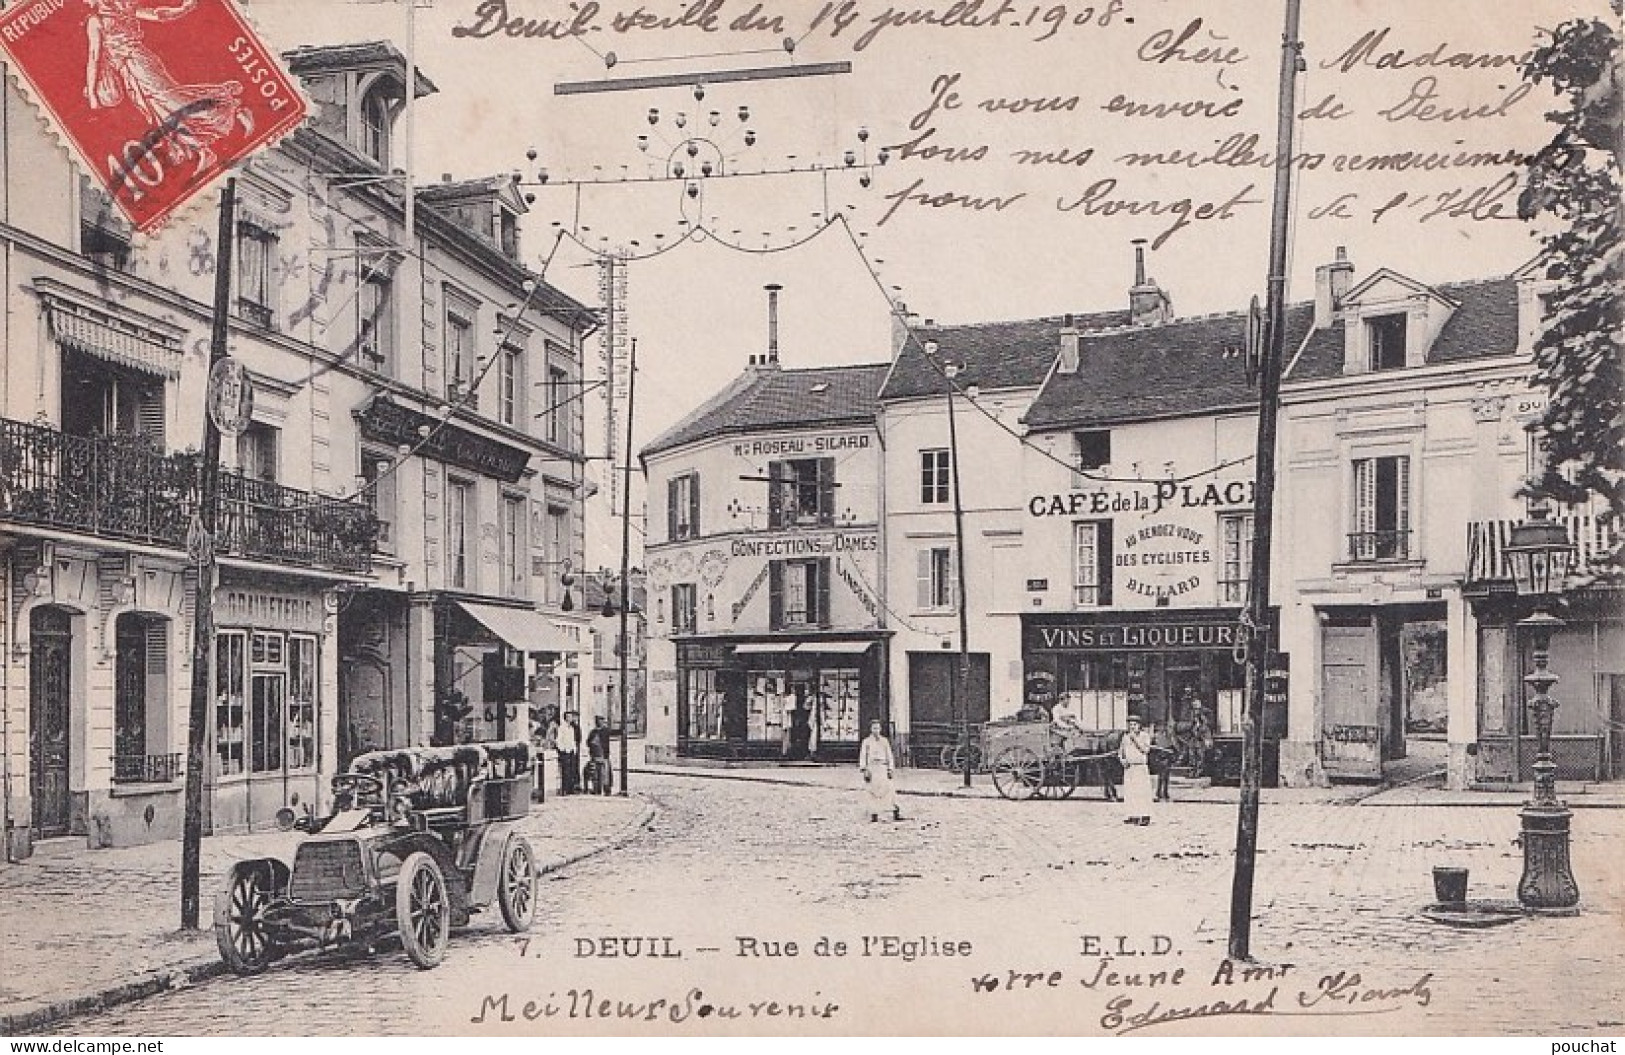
x=158 y=97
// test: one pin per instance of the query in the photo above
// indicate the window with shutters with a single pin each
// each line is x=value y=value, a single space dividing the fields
x=560 y=406
x=1382 y=509
x=1236 y=557
x=257 y=452
x=375 y=341
x=511 y=387
x=935 y=578
x=378 y=491
x=1092 y=563
x=684 y=611
x=801 y=492
x=256 y=290
x=99 y=398
x=936 y=476
x=558 y=548
x=459 y=514
x=460 y=351
x=515 y=570
x=683 y=507
x=799 y=593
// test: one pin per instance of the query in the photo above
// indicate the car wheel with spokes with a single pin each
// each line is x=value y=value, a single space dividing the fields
x=239 y=927
x=516 y=888
x=422 y=910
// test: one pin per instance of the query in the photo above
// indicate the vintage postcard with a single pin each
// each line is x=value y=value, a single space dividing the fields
x=800 y=518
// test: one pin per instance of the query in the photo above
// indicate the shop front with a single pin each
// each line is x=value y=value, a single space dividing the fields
x=803 y=700
x=498 y=665
x=1166 y=665
x=273 y=733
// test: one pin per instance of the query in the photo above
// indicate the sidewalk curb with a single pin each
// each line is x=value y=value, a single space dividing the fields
x=202 y=969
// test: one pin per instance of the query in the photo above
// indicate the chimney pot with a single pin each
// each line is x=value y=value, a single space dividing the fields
x=1332 y=282
x=772 y=358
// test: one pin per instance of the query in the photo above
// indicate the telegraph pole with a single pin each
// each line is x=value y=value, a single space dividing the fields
x=201 y=543
x=626 y=547
x=963 y=675
x=1257 y=634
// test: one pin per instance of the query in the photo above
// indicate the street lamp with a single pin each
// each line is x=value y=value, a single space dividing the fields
x=1540 y=554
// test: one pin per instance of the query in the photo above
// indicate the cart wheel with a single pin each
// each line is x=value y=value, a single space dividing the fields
x=1072 y=778
x=1018 y=772
x=1054 y=782
x=422 y=910
x=945 y=759
x=516 y=887
x=239 y=929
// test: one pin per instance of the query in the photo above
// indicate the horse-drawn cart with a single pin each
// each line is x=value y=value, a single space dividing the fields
x=1038 y=758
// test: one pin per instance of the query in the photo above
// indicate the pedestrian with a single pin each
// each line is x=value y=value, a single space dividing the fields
x=598 y=756
x=1163 y=750
x=1134 y=752
x=876 y=762
x=568 y=744
x=1111 y=768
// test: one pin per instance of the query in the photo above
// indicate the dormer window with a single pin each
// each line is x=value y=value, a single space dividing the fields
x=507 y=233
x=375 y=121
x=1387 y=342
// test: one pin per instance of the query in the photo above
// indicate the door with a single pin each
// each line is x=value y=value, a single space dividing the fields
x=51 y=640
x=934 y=709
x=364 y=708
x=1351 y=734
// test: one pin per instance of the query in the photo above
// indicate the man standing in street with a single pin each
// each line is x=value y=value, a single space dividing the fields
x=598 y=756
x=876 y=762
x=569 y=748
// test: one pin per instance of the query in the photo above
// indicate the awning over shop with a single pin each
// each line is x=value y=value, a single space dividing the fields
x=763 y=647
x=121 y=345
x=528 y=630
x=834 y=648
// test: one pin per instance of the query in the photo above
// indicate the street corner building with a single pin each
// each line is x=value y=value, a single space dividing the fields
x=394 y=520
x=765 y=620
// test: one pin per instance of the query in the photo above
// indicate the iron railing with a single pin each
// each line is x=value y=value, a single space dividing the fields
x=1379 y=545
x=124 y=487
x=146 y=769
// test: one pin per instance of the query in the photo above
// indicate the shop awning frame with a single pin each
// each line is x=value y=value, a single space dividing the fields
x=526 y=629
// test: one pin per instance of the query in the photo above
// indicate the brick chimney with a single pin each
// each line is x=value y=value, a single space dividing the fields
x=1148 y=305
x=1069 y=346
x=1332 y=282
x=771 y=360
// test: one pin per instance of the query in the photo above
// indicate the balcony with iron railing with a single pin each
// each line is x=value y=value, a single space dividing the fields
x=123 y=487
x=1594 y=541
x=147 y=769
x=1369 y=547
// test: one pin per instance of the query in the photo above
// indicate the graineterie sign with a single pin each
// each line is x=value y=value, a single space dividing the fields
x=388 y=422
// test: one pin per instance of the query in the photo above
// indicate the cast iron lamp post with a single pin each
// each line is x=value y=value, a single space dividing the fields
x=1541 y=555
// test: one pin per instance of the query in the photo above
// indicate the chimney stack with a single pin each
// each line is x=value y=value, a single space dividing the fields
x=902 y=322
x=772 y=324
x=1332 y=282
x=1069 y=346
x=1148 y=305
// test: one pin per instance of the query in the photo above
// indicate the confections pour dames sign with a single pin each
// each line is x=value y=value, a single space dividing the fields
x=156 y=101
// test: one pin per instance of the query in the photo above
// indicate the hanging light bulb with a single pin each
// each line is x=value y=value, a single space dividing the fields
x=693 y=190
x=699 y=92
x=677 y=169
x=850 y=159
x=885 y=155
x=693 y=149
x=706 y=168
x=744 y=114
x=863 y=134
x=531 y=155
x=750 y=138
x=643 y=143
x=715 y=118
x=680 y=120
x=654 y=115
x=541 y=175
x=864 y=180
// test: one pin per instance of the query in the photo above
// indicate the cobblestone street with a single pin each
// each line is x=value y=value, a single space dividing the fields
x=1053 y=899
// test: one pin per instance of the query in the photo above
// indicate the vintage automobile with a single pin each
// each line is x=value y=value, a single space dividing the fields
x=419 y=839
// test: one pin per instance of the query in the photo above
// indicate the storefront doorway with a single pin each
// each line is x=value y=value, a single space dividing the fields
x=49 y=708
x=934 y=711
x=1384 y=692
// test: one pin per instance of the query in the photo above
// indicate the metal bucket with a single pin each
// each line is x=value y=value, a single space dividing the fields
x=1450 y=885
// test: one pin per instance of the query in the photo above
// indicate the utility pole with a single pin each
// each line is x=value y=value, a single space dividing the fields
x=626 y=547
x=202 y=542
x=963 y=676
x=1258 y=638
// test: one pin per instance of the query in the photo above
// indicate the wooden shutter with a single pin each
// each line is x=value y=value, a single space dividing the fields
x=826 y=491
x=1365 y=495
x=923 y=570
x=775 y=594
x=149 y=413
x=1103 y=554
x=776 y=476
x=1402 y=497
x=671 y=510
x=818 y=603
x=694 y=505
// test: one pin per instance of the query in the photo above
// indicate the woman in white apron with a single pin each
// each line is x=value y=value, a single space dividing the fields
x=1135 y=753
x=875 y=762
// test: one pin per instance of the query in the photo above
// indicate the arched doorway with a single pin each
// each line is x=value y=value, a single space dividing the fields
x=49 y=707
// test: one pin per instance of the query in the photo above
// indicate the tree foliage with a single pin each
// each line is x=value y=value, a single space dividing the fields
x=1574 y=183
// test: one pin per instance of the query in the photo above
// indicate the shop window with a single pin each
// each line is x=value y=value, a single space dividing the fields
x=936 y=477
x=935 y=578
x=798 y=593
x=768 y=706
x=1386 y=334
x=231 y=701
x=702 y=704
x=1092 y=563
x=1382 y=509
x=302 y=682
x=838 y=696
x=140 y=698
x=801 y=492
x=1236 y=540
x=683 y=608
x=459 y=513
x=256 y=290
x=683 y=507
